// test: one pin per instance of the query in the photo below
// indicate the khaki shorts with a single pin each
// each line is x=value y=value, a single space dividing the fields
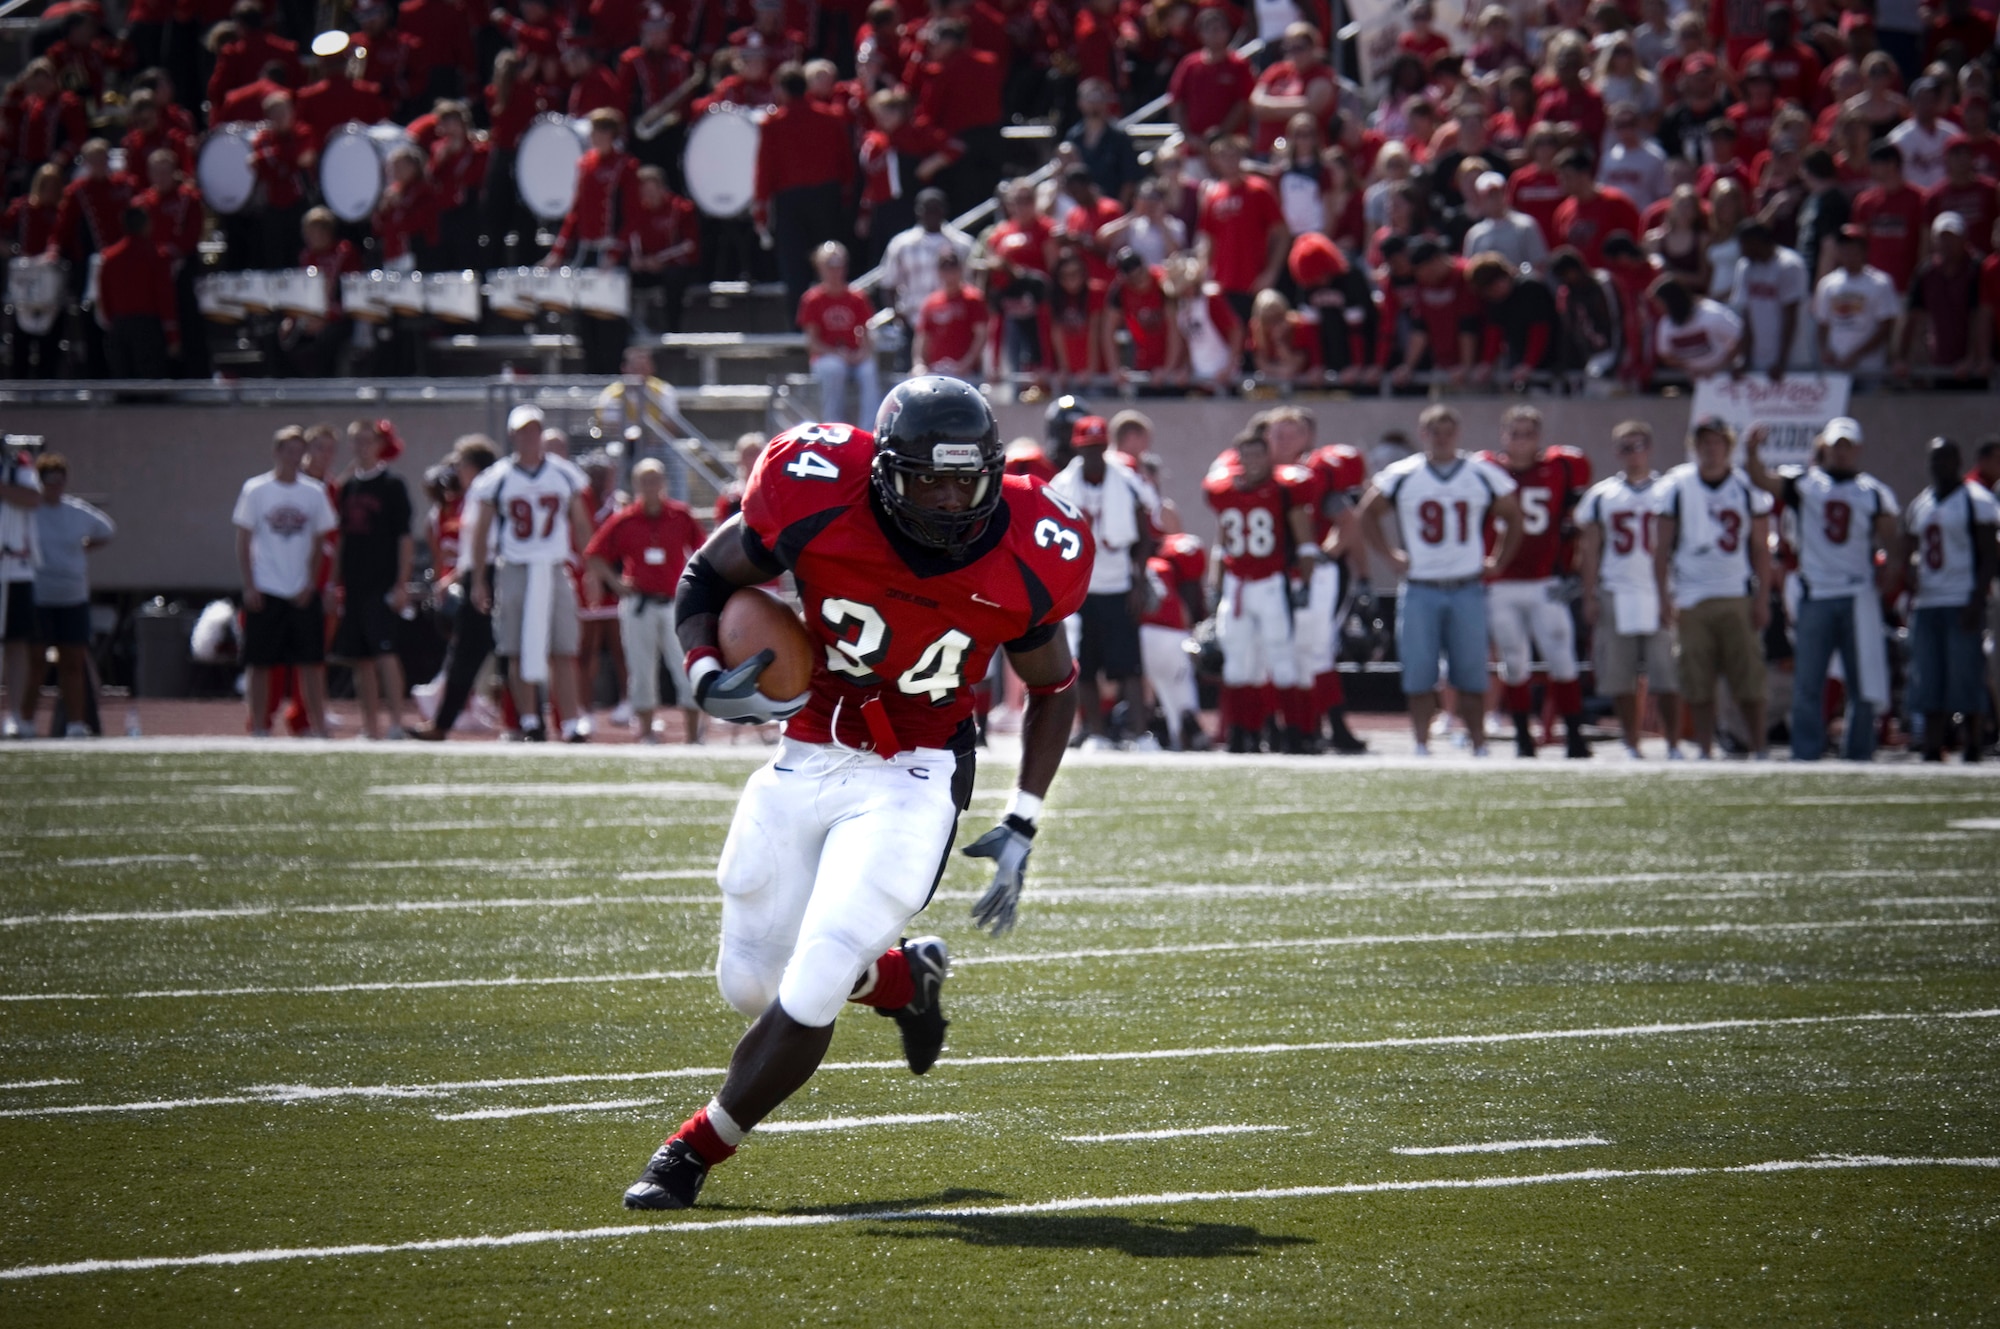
x=510 y=588
x=1618 y=657
x=1714 y=638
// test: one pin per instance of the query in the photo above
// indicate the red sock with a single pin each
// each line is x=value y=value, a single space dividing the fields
x=1299 y=712
x=1229 y=707
x=1517 y=698
x=1328 y=692
x=701 y=1137
x=1270 y=703
x=1568 y=696
x=508 y=711
x=887 y=985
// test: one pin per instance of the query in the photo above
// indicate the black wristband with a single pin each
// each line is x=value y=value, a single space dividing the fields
x=1019 y=825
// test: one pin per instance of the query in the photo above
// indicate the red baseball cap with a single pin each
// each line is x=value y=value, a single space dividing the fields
x=1315 y=259
x=1090 y=432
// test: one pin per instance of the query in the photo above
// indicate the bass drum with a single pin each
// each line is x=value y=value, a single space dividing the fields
x=354 y=167
x=223 y=169
x=720 y=160
x=545 y=165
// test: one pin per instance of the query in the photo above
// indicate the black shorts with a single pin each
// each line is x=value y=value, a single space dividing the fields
x=62 y=625
x=20 y=621
x=282 y=633
x=367 y=627
x=1110 y=638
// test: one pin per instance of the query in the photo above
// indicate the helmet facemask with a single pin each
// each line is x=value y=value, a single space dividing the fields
x=896 y=477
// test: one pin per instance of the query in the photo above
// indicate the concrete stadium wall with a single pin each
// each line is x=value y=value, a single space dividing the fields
x=169 y=474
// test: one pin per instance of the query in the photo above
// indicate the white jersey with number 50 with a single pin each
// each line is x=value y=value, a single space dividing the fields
x=1630 y=516
x=530 y=508
x=1442 y=513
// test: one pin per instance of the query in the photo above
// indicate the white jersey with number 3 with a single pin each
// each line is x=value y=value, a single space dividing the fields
x=530 y=508
x=1630 y=516
x=1442 y=513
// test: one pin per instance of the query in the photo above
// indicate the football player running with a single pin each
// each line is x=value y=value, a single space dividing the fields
x=915 y=559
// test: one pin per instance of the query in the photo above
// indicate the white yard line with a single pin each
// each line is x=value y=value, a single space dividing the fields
x=293 y=1093
x=546 y=1109
x=1500 y=1146
x=1181 y=1133
x=1052 y=957
x=375 y=907
x=126 y=860
x=1975 y=824
x=1075 y=1204
x=856 y=1123
x=36 y=1084
x=561 y=789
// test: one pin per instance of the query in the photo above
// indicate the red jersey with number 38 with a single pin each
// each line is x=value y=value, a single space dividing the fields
x=1251 y=524
x=898 y=624
x=1549 y=491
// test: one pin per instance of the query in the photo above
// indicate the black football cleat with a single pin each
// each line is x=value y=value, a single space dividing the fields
x=672 y=1179
x=1524 y=738
x=922 y=1022
x=1578 y=748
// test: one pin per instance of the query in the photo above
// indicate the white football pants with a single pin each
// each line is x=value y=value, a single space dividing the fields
x=1254 y=624
x=1170 y=673
x=831 y=853
x=1526 y=616
x=1313 y=639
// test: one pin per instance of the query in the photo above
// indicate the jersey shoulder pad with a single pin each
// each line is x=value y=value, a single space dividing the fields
x=1575 y=464
x=1180 y=544
x=1342 y=466
x=806 y=471
x=1052 y=541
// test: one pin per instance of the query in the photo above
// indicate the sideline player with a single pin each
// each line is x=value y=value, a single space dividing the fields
x=1947 y=542
x=1261 y=532
x=1175 y=572
x=1326 y=482
x=1617 y=525
x=539 y=503
x=915 y=560
x=1442 y=499
x=1524 y=606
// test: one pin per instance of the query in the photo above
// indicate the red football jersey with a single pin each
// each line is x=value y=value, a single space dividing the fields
x=1179 y=560
x=1307 y=489
x=899 y=625
x=1255 y=538
x=1549 y=491
x=1342 y=470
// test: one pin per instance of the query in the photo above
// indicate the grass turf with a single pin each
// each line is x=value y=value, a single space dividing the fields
x=1226 y=913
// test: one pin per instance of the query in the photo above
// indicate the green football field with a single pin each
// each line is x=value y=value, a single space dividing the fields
x=380 y=1036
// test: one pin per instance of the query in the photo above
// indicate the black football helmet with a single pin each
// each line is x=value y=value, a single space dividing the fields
x=936 y=424
x=1058 y=423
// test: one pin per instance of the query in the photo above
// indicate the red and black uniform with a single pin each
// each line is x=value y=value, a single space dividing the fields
x=458 y=176
x=177 y=219
x=139 y=146
x=406 y=221
x=903 y=630
x=598 y=89
x=47 y=129
x=607 y=191
x=650 y=551
x=386 y=60
x=1254 y=540
x=26 y=228
x=805 y=161
x=91 y=217
x=646 y=77
x=244 y=106
x=135 y=299
x=243 y=61
x=958 y=94
x=330 y=103
x=1550 y=489
x=673 y=226
x=333 y=263
x=1178 y=562
x=442 y=31
x=506 y=124
x=279 y=159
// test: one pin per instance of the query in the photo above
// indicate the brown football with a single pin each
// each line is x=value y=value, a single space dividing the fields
x=755 y=620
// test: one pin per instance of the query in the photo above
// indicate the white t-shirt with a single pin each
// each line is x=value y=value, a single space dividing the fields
x=1705 y=343
x=1836 y=529
x=285 y=522
x=1639 y=173
x=1442 y=513
x=1712 y=532
x=1273 y=17
x=18 y=555
x=1630 y=516
x=530 y=508
x=1923 y=150
x=1944 y=536
x=1760 y=292
x=1111 y=573
x=1851 y=306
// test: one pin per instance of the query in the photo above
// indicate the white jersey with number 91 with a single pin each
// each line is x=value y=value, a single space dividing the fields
x=1442 y=513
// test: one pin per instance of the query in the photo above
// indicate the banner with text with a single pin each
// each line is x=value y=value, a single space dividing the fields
x=1794 y=408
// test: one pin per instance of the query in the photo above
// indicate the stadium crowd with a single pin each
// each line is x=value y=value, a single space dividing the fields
x=1637 y=192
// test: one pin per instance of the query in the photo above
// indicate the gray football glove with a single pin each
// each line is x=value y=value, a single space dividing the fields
x=731 y=694
x=1008 y=845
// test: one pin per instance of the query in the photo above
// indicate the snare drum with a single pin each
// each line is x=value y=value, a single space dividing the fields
x=302 y=291
x=720 y=160
x=604 y=292
x=507 y=294
x=553 y=289
x=354 y=167
x=35 y=289
x=215 y=297
x=452 y=297
x=545 y=165
x=364 y=297
x=403 y=292
x=258 y=291
x=223 y=168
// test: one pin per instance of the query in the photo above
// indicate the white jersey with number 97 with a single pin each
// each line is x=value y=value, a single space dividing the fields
x=530 y=508
x=1442 y=513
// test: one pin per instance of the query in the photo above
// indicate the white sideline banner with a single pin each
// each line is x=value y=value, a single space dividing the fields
x=1795 y=409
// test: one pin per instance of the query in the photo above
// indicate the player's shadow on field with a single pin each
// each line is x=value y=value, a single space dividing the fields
x=1146 y=1238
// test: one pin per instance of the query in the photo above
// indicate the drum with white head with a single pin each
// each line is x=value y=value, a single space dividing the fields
x=554 y=289
x=452 y=297
x=35 y=290
x=215 y=297
x=258 y=291
x=604 y=292
x=354 y=167
x=364 y=296
x=510 y=295
x=720 y=160
x=223 y=168
x=302 y=291
x=404 y=292
x=545 y=165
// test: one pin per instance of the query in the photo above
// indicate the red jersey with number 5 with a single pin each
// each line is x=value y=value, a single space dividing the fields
x=1549 y=490
x=1252 y=529
x=899 y=625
